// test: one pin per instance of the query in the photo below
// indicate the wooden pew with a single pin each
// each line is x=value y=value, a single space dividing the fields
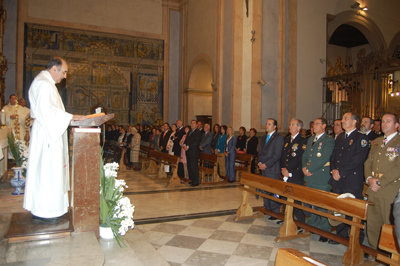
x=388 y=242
x=208 y=167
x=242 y=164
x=156 y=166
x=289 y=256
x=355 y=208
x=144 y=155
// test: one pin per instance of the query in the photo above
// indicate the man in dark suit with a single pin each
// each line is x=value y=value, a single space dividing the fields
x=292 y=153
x=269 y=159
x=377 y=127
x=347 y=164
x=337 y=128
x=205 y=143
x=164 y=137
x=191 y=147
x=367 y=124
x=316 y=170
x=177 y=138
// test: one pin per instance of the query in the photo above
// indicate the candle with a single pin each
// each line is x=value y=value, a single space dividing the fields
x=3 y=117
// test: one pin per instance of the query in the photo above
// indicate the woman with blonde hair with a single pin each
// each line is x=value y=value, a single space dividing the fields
x=135 y=148
x=230 y=154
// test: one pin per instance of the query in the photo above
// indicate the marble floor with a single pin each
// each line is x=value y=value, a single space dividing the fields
x=152 y=198
x=213 y=239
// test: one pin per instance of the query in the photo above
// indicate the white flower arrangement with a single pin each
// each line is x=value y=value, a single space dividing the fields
x=116 y=211
x=19 y=151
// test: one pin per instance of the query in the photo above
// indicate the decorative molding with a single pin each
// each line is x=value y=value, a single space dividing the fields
x=198 y=92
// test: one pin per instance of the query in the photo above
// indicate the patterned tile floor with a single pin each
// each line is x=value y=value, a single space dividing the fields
x=222 y=241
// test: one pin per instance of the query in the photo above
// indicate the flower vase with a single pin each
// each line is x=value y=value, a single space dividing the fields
x=105 y=232
x=18 y=181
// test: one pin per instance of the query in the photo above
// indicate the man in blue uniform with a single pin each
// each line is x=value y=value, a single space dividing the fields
x=291 y=167
x=347 y=163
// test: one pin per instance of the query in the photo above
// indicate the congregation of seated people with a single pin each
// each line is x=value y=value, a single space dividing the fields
x=354 y=157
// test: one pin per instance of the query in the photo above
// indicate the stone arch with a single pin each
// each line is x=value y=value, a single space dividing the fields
x=365 y=25
x=200 y=60
x=393 y=48
x=199 y=89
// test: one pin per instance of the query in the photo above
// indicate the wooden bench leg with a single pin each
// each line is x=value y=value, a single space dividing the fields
x=201 y=175
x=175 y=180
x=354 y=254
x=145 y=165
x=215 y=174
x=161 y=171
x=245 y=211
x=122 y=166
x=152 y=169
x=288 y=229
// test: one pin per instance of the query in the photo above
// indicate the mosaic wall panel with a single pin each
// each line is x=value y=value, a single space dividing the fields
x=123 y=74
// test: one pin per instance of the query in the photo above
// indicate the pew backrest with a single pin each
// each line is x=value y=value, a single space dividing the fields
x=348 y=206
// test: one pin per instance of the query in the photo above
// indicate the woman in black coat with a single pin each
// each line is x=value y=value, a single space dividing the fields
x=251 y=148
x=241 y=140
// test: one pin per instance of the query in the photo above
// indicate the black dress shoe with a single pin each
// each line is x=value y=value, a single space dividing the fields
x=330 y=241
x=194 y=185
x=322 y=239
x=41 y=220
x=272 y=218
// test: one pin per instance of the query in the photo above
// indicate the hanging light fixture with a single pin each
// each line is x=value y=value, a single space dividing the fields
x=357 y=6
x=395 y=88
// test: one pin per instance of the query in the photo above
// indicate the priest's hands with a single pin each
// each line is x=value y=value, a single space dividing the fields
x=78 y=117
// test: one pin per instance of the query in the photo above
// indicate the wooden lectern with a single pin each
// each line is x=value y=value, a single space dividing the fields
x=85 y=185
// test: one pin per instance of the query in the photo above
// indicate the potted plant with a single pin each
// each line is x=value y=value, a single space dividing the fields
x=116 y=211
x=19 y=151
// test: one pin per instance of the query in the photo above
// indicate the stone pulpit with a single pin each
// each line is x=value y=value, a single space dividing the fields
x=85 y=178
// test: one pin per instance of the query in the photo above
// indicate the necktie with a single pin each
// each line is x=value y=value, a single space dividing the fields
x=385 y=140
x=268 y=136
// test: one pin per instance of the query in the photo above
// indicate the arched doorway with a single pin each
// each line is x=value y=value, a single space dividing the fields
x=355 y=69
x=199 y=91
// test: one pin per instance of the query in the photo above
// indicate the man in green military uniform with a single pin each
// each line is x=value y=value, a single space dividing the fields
x=382 y=172
x=316 y=168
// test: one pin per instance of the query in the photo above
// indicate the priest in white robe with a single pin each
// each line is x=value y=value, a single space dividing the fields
x=47 y=180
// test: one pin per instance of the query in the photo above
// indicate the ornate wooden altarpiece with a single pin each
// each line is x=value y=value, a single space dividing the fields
x=123 y=74
x=364 y=88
